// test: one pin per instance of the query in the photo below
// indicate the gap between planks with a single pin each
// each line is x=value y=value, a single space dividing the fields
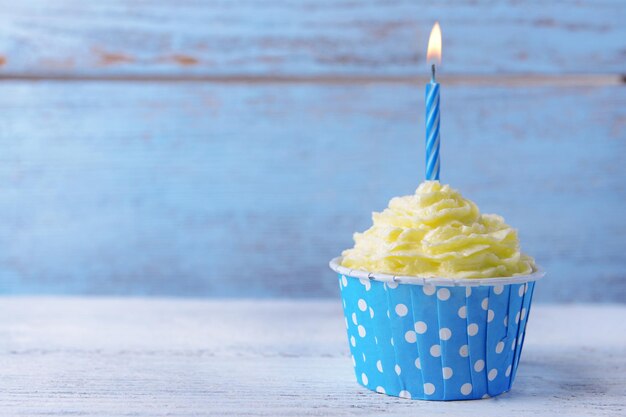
x=513 y=80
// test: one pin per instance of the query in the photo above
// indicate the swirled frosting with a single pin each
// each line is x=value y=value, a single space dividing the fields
x=438 y=233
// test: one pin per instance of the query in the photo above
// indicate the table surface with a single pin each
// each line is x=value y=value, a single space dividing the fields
x=181 y=357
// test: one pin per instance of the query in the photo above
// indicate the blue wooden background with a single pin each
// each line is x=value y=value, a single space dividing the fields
x=232 y=148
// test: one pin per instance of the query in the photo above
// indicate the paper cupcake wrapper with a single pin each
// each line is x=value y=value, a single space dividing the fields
x=435 y=342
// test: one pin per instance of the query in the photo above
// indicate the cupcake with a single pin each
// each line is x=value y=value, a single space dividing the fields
x=436 y=298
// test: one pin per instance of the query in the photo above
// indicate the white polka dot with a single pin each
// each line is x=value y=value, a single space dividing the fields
x=388 y=315
x=498 y=289
x=463 y=351
x=466 y=389
x=375 y=340
x=479 y=365
x=508 y=371
x=445 y=333
x=499 y=347
x=404 y=394
x=435 y=351
x=344 y=303
x=506 y=320
x=485 y=303
x=392 y=284
x=410 y=336
x=492 y=374
x=401 y=310
x=517 y=318
x=352 y=341
x=519 y=342
x=468 y=291
x=421 y=327
x=380 y=390
x=397 y=369
x=346 y=322
x=463 y=312
x=364 y=358
x=366 y=283
x=523 y=313
x=443 y=294
x=353 y=360
x=525 y=288
x=521 y=291
x=391 y=341
x=429 y=389
x=362 y=304
x=472 y=329
x=371 y=313
x=490 y=316
x=379 y=366
x=354 y=319
x=429 y=289
x=447 y=372
x=364 y=378
x=513 y=344
x=344 y=281
x=361 y=331
x=418 y=363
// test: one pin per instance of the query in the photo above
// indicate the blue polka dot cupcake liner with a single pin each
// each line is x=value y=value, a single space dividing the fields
x=435 y=338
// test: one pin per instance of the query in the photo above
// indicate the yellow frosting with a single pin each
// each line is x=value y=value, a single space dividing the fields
x=438 y=233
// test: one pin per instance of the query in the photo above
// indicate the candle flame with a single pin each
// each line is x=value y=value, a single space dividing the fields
x=434 y=45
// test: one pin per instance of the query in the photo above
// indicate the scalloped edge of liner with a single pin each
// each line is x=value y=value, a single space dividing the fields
x=335 y=265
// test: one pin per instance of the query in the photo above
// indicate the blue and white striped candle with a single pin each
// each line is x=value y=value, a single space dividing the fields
x=432 y=107
x=432 y=129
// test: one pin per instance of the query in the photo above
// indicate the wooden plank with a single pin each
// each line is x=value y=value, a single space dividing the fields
x=311 y=37
x=239 y=190
x=102 y=357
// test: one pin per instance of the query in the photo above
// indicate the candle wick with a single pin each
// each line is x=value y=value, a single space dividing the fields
x=432 y=77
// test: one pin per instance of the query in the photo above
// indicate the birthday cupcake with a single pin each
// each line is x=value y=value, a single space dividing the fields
x=436 y=298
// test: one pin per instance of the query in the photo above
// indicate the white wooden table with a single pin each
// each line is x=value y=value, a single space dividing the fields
x=174 y=357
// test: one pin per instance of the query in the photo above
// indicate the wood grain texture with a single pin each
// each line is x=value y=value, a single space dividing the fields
x=204 y=190
x=159 y=357
x=311 y=37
